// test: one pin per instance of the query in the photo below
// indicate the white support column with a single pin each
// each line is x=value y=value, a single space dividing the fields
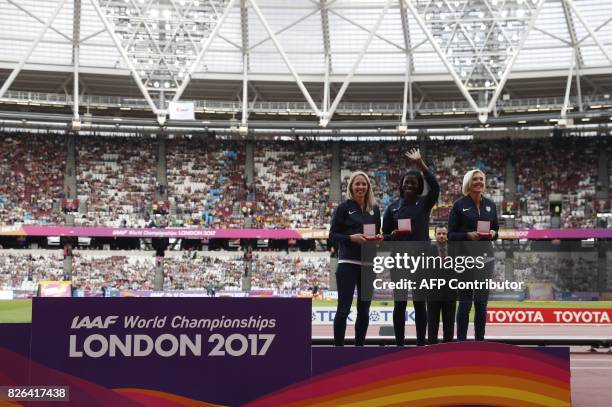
x=76 y=34
x=571 y=29
x=568 y=86
x=126 y=58
x=245 y=88
x=411 y=101
x=244 y=31
x=578 y=85
x=569 y=21
x=347 y=80
x=75 y=88
x=9 y=81
x=281 y=51
x=407 y=85
x=162 y=105
x=196 y=62
x=589 y=30
x=407 y=100
x=326 y=86
x=323 y=5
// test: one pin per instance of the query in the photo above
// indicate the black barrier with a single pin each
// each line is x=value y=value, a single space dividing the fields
x=386 y=338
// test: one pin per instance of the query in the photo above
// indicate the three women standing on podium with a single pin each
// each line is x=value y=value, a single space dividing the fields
x=359 y=216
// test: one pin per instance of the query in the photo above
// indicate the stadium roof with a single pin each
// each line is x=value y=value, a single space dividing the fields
x=369 y=45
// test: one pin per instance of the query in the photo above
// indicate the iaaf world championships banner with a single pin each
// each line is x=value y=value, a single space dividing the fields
x=254 y=352
x=204 y=349
x=198 y=233
x=186 y=233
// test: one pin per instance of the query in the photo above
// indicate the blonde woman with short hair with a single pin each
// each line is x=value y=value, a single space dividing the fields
x=474 y=218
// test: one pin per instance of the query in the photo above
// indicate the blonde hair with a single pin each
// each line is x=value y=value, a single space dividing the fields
x=467 y=181
x=369 y=198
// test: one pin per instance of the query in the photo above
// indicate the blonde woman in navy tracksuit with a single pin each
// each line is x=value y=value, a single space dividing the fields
x=347 y=231
x=462 y=226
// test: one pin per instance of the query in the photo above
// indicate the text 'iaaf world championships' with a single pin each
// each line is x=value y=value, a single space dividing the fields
x=132 y=336
x=176 y=322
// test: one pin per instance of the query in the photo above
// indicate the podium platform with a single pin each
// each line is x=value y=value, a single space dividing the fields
x=182 y=351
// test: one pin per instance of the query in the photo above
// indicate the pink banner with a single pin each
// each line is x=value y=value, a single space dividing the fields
x=197 y=233
x=555 y=234
x=184 y=233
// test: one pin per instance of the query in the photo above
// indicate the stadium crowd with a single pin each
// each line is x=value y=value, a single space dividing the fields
x=567 y=167
x=383 y=162
x=21 y=270
x=566 y=271
x=191 y=270
x=116 y=271
x=32 y=174
x=116 y=181
x=291 y=273
x=292 y=184
x=188 y=270
x=206 y=181
x=458 y=158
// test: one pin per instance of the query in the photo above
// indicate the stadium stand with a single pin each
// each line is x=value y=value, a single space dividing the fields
x=192 y=270
x=205 y=181
x=291 y=273
x=567 y=167
x=460 y=157
x=187 y=270
x=115 y=181
x=207 y=187
x=23 y=270
x=382 y=161
x=566 y=271
x=32 y=173
x=292 y=184
x=117 y=271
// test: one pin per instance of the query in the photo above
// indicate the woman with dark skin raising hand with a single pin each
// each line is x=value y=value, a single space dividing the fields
x=407 y=219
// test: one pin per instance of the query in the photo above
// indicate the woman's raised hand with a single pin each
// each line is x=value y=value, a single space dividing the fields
x=414 y=155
